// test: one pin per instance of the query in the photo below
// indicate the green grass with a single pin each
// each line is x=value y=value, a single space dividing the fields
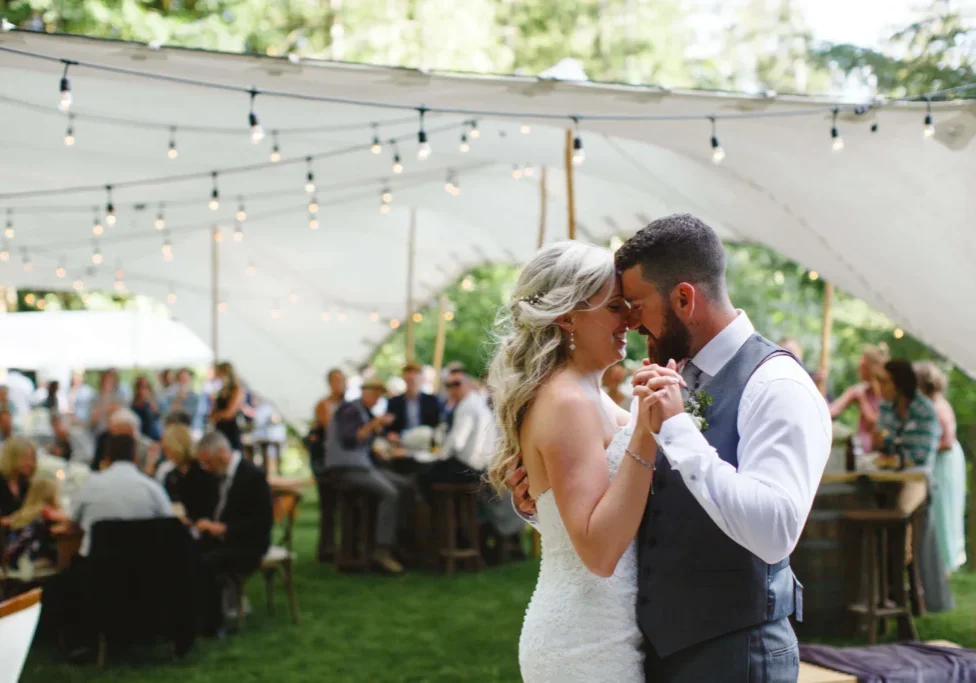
x=420 y=627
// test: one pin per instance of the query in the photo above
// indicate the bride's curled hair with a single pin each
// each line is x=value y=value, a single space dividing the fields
x=560 y=278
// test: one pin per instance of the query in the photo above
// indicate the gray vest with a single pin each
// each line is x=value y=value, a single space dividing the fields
x=336 y=455
x=695 y=582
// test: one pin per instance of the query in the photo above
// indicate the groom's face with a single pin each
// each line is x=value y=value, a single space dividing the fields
x=653 y=315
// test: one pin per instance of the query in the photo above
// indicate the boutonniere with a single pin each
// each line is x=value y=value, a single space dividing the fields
x=695 y=405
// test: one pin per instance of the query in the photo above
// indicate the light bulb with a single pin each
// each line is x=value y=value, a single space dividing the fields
x=898 y=333
x=222 y=307
x=250 y=270
x=341 y=316
x=475 y=133
x=160 y=222
x=384 y=208
x=66 y=99
x=449 y=186
x=275 y=155
x=218 y=235
x=8 y=231
x=214 y=203
x=313 y=223
x=418 y=317
x=516 y=172
x=28 y=266
x=837 y=144
x=69 y=138
x=374 y=316
x=397 y=166
x=171 y=298
x=78 y=285
x=119 y=286
x=97 y=228
x=423 y=151
x=30 y=299
x=313 y=206
x=110 y=215
x=172 y=153
x=465 y=147
x=257 y=130
x=718 y=154
x=60 y=272
x=4 y=254
x=293 y=297
x=119 y=274
x=525 y=128
x=529 y=171
x=326 y=316
x=376 y=147
x=275 y=313
x=97 y=257
x=310 y=185
x=579 y=156
x=238 y=234
x=241 y=215
x=394 y=324
x=387 y=196
x=929 y=130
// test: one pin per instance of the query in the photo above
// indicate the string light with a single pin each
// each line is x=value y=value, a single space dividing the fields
x=394 y=324
x=814 y=275
x=874 y=127
x=171 y=297
x=528 y=171
x=78 y=285
x=325 y=316
x=310 y=177
x=387 y=195
x=97 y=228
x=238 y=232
x=525 y=128
x=61 y=270
x=579 y=156
x=423 y=147
x=119 y=272
x=465 y=146
x=293 y=297
x=313 y=205
x=8 y=229
x=65 y=99
x=397 y=165
x=718 y=154
x=172 y=153
x=96 y=257
x=85 y=298
x=4 y=252
x=448 y=316
x=276 y=310
x=27 y=260
x=376 y=147
x=275 y=150
x=30 y=299
x=385 y=198
x=109 y=207
x=160 y=222
x=222 y=307
x=452 y=185
x=214 y=193
x=418 y=317
x=41 y=305
x=928 y=131
x=838 y=142
x=475 y=133
x=384 y=208
x=69 y=134
x=898 y=333
x=516 y=172
x=120 y=286
x=250 y=270
x=257 y=131
x=167 y=249
x=313 y=223
x=241 y=215
x=218 y=236
x=341 y=316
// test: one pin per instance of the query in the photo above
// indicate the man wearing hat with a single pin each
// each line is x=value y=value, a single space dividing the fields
x=348 y=461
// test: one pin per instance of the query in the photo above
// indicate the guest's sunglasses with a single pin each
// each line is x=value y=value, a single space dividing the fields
x=452 y=385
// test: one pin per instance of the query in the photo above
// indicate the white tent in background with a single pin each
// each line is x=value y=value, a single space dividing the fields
x=62 y=340
x=889 y=219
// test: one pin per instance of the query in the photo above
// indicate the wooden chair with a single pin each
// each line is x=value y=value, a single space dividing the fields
x=357 y=521
x=279 y=559
x=883 y=538
x=456 y=509
x=18 y=622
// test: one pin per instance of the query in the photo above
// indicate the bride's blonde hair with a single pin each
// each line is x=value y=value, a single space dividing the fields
x=560 y=278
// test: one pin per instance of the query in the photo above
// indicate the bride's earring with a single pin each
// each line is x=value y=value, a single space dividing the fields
x=572 y=340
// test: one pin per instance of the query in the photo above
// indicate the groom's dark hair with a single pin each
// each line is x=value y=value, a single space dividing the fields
x=675 y=249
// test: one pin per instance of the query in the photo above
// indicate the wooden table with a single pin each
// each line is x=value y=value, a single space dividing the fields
x=880 y=476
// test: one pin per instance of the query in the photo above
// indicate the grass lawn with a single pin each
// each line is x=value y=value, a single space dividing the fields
x=421 y=627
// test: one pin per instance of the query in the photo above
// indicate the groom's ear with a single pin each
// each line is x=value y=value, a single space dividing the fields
x=683 y=300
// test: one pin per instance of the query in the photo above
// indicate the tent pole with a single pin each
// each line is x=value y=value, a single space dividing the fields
x=411 y=254
x=214 y=294
x=543 y=206
x=825 y=333
x=439 y=343
x=971 y=534
x=570 y=196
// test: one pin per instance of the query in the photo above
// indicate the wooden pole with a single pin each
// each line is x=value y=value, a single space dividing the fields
x=825 y=333
x=971 y=496
x=215 y=294
x=570 y=196
x=411 y=257
x=543 y=205
x=439 y=343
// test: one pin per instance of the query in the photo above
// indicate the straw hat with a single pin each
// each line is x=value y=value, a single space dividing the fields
x=376 y=384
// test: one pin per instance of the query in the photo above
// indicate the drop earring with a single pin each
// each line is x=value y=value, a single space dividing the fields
x=572 y=340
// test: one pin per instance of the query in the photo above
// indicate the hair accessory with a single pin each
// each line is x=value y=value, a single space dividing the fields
x=532 y=299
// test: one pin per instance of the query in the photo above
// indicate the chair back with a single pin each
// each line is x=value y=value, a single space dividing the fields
x=285 y=504
x=18 y=622
x=140 y=580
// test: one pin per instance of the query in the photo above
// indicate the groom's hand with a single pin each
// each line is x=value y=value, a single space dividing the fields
x=518 y=481
x=669 y=401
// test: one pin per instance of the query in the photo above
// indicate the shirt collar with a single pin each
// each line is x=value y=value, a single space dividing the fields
x=235 y=461
x=719 y=351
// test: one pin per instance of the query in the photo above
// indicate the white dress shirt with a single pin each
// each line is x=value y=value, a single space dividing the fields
x=119 y=492
x=467 y=439
x=784 y=442
x=228 y=481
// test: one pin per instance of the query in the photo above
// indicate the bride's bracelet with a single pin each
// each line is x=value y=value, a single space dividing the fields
x=648 y=465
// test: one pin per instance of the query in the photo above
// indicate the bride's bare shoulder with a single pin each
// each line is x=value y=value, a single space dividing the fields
x=560 y=398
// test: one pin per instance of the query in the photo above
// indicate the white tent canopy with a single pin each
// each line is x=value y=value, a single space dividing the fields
x=97 y=340
x=889 y=219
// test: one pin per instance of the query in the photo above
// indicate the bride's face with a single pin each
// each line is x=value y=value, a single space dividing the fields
x=601 y=332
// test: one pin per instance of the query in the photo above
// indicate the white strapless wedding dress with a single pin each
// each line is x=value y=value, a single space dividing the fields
x=580 y=626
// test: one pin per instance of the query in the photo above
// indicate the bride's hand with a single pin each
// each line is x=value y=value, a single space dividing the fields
x=518 y=481
x=658 y=387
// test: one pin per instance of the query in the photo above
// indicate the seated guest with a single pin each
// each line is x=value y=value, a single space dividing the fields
x=237 y=535
x=348 y=461
x=464 y=449
x=412 y=408
x=120 y=491
x=144 y=406
x=80 y=397
x=186 y=483
x=71 y=442
x=18 y=463
x=29 y=539
x=180 y=397
x=866 y=395
x=6 y=425
x=123 y=422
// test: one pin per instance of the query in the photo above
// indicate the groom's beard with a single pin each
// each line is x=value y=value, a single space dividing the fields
x=674 y=342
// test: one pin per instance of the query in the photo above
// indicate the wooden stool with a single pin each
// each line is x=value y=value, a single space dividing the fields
x=883 y=536
x=456 y=509
x=357 y=522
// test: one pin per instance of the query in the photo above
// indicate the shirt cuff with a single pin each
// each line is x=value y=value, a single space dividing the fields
x=681 y=440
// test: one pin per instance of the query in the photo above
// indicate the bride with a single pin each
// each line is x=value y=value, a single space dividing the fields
x=589 y=463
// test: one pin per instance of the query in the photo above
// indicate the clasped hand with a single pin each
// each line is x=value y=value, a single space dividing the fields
x=659 y=390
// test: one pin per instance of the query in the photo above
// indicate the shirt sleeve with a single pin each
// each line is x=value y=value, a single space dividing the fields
x=784 y=443
x=348 y=421
x=921 y=440
x=462 y=432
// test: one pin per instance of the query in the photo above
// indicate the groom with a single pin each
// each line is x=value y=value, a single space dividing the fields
x=715 y=589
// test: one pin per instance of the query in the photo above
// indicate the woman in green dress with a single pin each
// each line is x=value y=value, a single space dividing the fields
x=949 y=494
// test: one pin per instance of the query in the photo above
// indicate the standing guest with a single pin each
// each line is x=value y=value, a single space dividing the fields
x=866 y=395
x=949 y=491
x=6 y=425
x=239 y=533
x=348 y=461
x=336 y=380
x=21 y=388
x=30 y=527
x=70 y=442
x=182 y=398
x=315 y=442
x=145 y=407
x=18 y=464
x=166 y=380
x=464 y=448
x=227 y=405
x=413 y=408
x=614 y=383
x=53 y=398
x=186 y=482
x=80 y=397
x=110 y=397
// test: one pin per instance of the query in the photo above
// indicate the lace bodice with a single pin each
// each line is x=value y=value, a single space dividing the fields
x=580 y=626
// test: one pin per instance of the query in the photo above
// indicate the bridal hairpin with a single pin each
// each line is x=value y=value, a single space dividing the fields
x=531 y=299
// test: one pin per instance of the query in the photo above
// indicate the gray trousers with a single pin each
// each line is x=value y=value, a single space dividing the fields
x=395 y=493
x=764 y=654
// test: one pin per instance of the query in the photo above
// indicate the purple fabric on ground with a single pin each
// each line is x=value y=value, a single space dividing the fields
x=900 y=663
